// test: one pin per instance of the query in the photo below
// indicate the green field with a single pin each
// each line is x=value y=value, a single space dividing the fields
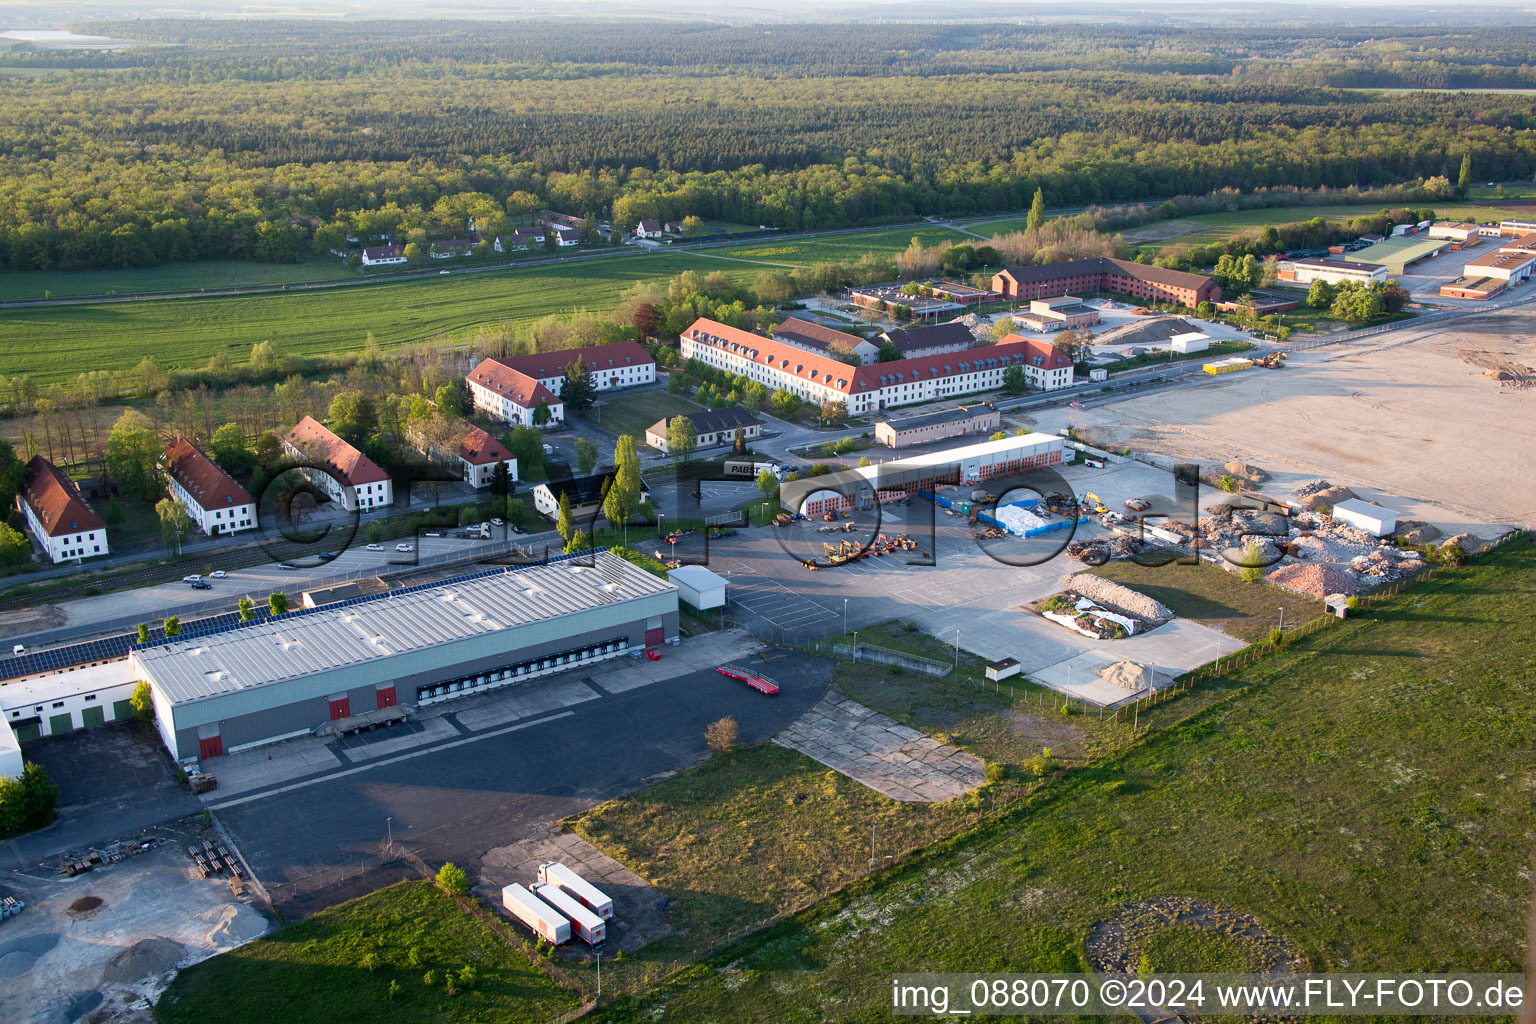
x=185 y=332
x=631 y=414
x=1364 y=793
x=337 y=968
x=1221 y=226
x=167 y=277
x=804 y=252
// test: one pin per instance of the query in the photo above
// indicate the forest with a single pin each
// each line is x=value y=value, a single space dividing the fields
x=274 y=140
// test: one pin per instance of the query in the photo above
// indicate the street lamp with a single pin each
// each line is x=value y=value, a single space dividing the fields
x=389 y=832
x=1282 y=617
x=845 y=615
x=957 y=648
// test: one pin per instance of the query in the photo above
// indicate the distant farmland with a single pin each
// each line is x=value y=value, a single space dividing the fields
x=53 y=343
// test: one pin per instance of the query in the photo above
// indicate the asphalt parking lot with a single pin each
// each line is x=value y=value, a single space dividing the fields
x=970 y=593
x=498 y=782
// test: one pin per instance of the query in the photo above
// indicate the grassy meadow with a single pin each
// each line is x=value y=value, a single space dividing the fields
x=338 y=968
x=1364 y=793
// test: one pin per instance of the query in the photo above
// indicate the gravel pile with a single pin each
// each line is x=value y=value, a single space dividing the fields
x=1328 y=497
x=1311 y=579
x=1115 y=597
x=144 y=959
x=1310 y=487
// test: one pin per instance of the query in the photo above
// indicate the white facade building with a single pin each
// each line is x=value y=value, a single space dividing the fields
x=60 y=521
x=211 y=497
x=345 y=474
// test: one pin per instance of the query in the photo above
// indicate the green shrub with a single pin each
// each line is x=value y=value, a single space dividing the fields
x=452 y=879
x=996 y=771
x=1227 y=483
x=143 y=702
x=1276 y=637
x=28 y=802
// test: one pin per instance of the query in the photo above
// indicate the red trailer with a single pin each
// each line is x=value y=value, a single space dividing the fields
x=752 y=679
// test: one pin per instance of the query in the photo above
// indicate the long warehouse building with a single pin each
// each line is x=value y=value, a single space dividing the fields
x=239 y=686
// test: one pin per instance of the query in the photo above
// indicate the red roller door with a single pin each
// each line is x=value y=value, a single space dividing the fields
x=213 y=746
x=340 y=708
x=655 y=637
x=386 y=697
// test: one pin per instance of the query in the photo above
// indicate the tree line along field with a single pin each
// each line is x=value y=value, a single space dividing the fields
x=54 y=343
x=1363 y=794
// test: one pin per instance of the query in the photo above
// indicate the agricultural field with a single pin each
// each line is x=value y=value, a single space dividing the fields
x=167 y=277
x=186 y=332
x=368 y=960
x=1360 y=797
x=836 y=248
x=1218 y=227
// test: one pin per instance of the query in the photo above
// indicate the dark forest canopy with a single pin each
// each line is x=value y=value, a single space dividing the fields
x=269 y=139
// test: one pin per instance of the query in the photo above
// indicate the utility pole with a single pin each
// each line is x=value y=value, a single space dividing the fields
x=957 y=648
x=389 y=832
x=1282 y=618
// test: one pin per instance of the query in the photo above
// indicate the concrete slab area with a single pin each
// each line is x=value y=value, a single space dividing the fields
x=639 y=908
x=97 y=946
x=881 y=753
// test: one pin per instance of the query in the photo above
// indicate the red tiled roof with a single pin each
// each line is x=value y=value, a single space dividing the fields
x=1105 y=265
x=1052 y=358
x=513 y=385
x=331 y=452
x=208 y=485
x=481 y=449
x=839 y=376
x=56 y=501
x=545 y=365
x=804 y=332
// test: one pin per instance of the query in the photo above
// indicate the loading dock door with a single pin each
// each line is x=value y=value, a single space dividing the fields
x=386 y=695
x=210 y=746
x=92 y=716
x=58 y=725
x=340 y=708
x=29 y=732
x=121 y=709
x=655 y=637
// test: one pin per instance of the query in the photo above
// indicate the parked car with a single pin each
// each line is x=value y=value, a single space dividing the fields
x=497 y=522
x=375 y=547
x=1137 y=504
x=218 y=574
x=201 y=585
x=285 y=566
x=516 y=528
x=192 y=578
x=402 y=547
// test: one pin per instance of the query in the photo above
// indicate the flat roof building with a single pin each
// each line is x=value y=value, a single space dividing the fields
x=233 y=687
x=1509 y=267
x=1332 y=271
x=698 y=587
x=1397 y=253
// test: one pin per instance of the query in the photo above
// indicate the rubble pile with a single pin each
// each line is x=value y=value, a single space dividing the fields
x=1313 y=579
x=1310 y=487
x=1414 y=532
x=1387 y=564
x=1114 y=596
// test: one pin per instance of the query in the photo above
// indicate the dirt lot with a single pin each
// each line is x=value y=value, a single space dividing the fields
x=1408 y=418
x=100 y=946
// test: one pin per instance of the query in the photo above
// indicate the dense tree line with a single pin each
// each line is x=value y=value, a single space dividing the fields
x=272 y=141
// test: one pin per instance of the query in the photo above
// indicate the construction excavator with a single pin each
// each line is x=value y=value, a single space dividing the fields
x=1273 y=361
x=1091 y=502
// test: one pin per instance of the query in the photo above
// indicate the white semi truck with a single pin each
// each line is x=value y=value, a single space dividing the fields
x=587 y=925
x=588 y=894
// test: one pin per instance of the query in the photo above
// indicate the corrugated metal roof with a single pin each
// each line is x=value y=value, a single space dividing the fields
x=329 y=639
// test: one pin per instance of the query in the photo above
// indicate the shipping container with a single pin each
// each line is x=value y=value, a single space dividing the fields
x=587 y=925
x=545 y=921
x=590 y=895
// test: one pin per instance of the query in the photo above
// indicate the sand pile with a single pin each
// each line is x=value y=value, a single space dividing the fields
x=234 y=926
x=1415 y=532
x=144 y=959
x=1127 y=675
x=1244 y=472
x=1328 y=497
x=1311 y=579
x=1116 y=598
x=1467 y=542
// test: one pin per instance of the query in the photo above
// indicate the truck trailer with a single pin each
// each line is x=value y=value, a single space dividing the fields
x=588 y=925
x=589 y=895
x=545 y=921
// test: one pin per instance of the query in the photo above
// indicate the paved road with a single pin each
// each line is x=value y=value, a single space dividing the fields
x=487 y=788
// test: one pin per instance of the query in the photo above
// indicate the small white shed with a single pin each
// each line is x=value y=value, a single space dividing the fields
x=1362 y=515
x=1193 y=341
x=699 y=587
x=1007 y=668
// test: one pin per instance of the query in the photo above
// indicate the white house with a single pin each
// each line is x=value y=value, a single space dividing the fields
x=479 y=453
x=384 y=255
x=567 y=237
x=1363 y=515
x=519 y=239
x=215 y=502
x=511 y=388
x=344 y=473
x=648 y=229
x=57 y=517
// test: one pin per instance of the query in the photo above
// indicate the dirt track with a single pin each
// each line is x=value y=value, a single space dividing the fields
x=1408 y=418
